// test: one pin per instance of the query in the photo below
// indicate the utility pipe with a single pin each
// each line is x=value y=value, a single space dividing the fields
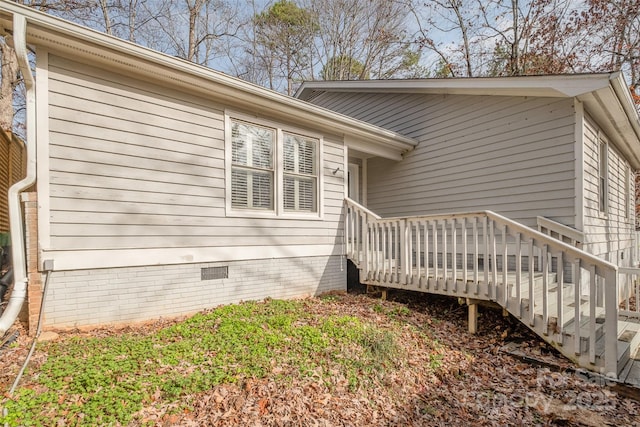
x=19 y=293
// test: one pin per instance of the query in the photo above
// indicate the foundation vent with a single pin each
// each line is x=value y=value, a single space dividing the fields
x=213 y=273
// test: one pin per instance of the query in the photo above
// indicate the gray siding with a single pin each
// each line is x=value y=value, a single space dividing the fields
x=609 y=234
x=511 y=155
x=134 y=165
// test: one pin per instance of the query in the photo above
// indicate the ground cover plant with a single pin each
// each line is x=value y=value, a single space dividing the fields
x=333 y=360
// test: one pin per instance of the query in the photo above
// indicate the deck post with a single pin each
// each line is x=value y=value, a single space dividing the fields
x=405 y=255
x=611 y=323
x=473 y=315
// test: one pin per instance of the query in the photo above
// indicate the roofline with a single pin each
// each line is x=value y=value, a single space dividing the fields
x=43 y=28
x=562 y=85
x=624 y=96
x=601 y=93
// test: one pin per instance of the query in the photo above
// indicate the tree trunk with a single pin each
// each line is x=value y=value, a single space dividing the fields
x=194 y=11
x=9 y=75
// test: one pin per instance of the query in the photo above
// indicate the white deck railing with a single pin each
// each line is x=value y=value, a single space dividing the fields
x=629 y=292
x=483 y=255
x=561 y=232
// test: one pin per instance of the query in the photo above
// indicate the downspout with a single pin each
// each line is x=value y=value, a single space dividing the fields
x=19 y=293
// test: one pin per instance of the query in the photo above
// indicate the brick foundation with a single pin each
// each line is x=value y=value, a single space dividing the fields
x=31 y=308
x=133 y=294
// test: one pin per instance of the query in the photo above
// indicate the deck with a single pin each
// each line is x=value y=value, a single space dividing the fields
x=485 y=257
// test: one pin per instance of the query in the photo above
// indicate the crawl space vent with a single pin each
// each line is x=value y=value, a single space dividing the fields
x=213 y=273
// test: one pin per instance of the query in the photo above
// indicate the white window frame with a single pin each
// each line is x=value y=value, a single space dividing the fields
x=627 y=190
x=603 y=175
x=251 y=170
x=278 y=205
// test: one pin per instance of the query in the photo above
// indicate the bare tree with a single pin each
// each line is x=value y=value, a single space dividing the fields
x=373 y=33
x=440 y=20
x=190 y=29
x=284 y=36
x=613 y=27
x=9 y=76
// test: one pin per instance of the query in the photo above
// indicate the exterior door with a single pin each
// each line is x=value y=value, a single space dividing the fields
x=354 y=182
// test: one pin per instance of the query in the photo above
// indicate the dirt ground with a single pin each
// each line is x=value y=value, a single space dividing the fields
x=477 y=381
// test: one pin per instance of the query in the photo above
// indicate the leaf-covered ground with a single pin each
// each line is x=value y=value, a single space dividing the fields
x=337 y=360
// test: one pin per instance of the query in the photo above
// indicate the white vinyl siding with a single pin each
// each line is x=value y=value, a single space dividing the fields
x=513 y=155
x=609 y=235
x=137 y=175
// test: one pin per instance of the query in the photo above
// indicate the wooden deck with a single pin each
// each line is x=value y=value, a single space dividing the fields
x=568 y=297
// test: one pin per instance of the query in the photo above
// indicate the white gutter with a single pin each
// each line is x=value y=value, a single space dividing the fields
x=19 y=292
x=624 y=95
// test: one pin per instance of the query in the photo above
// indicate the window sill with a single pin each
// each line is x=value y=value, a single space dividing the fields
x=238 y=213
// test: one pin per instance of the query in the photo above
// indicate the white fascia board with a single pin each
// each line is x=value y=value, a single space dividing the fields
x=371 y=149
x=624 y=96
x=561 y=86
x=613 y=110
x=61 y=35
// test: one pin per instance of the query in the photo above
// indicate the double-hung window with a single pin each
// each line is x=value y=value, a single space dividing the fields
x=272 y=170
x=252 y=169
x=300 y=173
x=603 y=181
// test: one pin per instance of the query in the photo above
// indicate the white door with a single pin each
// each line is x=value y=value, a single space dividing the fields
x=354 y=182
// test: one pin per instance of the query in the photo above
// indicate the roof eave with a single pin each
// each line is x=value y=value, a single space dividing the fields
x=548 y=86
x=613 y=109
x=43 y=29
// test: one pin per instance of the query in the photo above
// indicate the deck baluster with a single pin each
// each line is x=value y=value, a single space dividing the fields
x=494 y=262
x=532 y=297
x=434 y=228
x=485 y=262
x=476 y=254
x=464 y=256
x=577 y=318
x=454 y=255
x=560 y=291
x=545 y=289
x=518 y=275
x=592 y=313
x=445 y=269
x=505 y=265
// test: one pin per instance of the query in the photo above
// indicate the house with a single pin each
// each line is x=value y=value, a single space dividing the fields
x=546 y=151
x=557 y=154
x=163 y=188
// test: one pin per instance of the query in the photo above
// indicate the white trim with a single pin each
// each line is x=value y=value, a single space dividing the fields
x=354 y=177
x=603 y=190
x=579 y=167
x=365 y=172
x=373 y=150
x=627 y=190
x=278 y=202
x=548 y=86
x=89 y=259
x=345 y=168
x=278 y=164
x=562 y=229
x=42 y=152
